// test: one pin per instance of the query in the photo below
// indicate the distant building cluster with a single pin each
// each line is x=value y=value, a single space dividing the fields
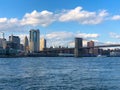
x=13 y=45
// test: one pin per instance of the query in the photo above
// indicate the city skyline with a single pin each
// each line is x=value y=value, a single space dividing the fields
x=60 y=21
x=36 y=46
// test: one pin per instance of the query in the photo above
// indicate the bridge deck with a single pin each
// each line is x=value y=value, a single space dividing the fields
x=58 y=49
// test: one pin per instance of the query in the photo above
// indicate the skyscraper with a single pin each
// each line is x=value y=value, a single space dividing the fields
x=26 y=44
x=34 y=40
x=42 y=44
x=15 y=39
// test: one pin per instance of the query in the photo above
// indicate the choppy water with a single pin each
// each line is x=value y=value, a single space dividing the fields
x=58 y=73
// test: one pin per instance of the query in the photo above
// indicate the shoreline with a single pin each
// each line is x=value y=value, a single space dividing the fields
x=6 y=56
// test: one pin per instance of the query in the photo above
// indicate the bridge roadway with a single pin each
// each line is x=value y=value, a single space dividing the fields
x=100 y=46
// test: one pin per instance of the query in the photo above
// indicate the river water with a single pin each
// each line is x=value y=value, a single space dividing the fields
x=60 y=73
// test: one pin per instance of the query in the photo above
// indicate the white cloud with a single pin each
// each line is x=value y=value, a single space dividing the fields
x=116 y=17
x=60 y=35
x=10 y=25
x=83 y=17
x=33 y=19
x=109 y=42
x=64 y=35
x=2 y=20
x=87 y=35
x=43 y=18
x=114 y=35
x=63 y=38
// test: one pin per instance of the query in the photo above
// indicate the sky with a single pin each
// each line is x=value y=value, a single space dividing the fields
x=60 y=21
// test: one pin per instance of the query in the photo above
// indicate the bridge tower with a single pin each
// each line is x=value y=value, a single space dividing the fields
x=78 y=47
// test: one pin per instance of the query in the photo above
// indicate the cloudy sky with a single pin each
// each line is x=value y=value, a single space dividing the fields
x=59 y=21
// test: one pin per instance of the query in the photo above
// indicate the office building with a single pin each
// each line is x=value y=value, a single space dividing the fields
x=34 y=40
x=42 y=44
x=15 y=39
x=26 y=44
x=12 y=45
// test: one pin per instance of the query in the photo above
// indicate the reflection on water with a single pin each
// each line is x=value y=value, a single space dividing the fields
x=57 y=73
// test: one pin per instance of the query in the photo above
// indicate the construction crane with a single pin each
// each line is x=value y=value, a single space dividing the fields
x=2 y=34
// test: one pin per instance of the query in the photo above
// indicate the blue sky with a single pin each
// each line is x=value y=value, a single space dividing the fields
x=60 y=21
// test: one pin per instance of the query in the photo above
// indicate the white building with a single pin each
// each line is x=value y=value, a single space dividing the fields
x=3 y=43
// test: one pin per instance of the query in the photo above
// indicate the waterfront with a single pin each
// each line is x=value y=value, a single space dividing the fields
x=60 y=73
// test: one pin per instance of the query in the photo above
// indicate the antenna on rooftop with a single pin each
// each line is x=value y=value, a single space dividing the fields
x=3 y=36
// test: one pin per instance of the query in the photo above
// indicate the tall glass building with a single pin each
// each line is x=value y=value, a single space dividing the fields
x=26 y=44
x=34 y=40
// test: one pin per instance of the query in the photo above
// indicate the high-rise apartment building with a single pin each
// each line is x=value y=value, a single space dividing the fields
x=34 y=40
x=26 y=44
x=42 y=44
x=90 y=44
